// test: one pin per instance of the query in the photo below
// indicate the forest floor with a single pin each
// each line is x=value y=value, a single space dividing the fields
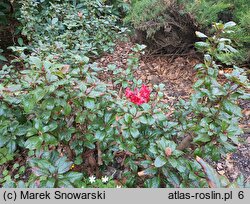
x=178 y=74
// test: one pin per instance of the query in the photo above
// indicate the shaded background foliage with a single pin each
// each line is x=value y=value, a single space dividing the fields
x=159 y=27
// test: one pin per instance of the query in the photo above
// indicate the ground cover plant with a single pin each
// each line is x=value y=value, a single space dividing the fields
x=64 y=122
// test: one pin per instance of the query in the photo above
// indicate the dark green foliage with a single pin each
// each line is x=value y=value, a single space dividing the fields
x=54 y=105
x=86 y=28
x=162 y=19
x=53 y=171
x=6 y=10
x=120 y=7
x=142 y=11
x=163 y=29
x=205 y=12
x=59 y=111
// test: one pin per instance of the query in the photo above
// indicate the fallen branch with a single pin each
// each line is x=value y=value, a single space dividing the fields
x=184 y=143
x=99 y=154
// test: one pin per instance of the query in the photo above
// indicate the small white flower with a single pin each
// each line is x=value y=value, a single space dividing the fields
x=92 y=179
x=118 y=186
x=105 y=179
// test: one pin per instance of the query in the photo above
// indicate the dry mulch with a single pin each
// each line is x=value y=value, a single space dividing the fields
x=177 y=73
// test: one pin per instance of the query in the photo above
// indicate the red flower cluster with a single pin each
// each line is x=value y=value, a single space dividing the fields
x=138 y=97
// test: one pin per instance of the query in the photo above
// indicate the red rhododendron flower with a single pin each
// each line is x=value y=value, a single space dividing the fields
x=138 y=97
x=79 y=14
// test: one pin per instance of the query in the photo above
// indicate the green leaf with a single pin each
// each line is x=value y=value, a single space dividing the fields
x=181 y=168
x=100 y=88
x=82 y=86
x=36 y=61
x=33 y=142
x=49 y=139
x=50 y=183
x=67 y=109
x=153 y=149
x=63 y=165
x=4 y=140
x=78 y=160
x=11 y=145
x=151 y=120
x=143 y=119
x=31 y=132
x=89 y=103
x=45 y=116
x=223 y=137
x=109 y=118
x=229 y=147
x=134 y=132
x=133 y=111
x=49 y=103
x=28 y=104
x=153 y=183
x=47 y=64
x=2 y=58
x=21 y=130
x=160 y=161
x=63 y=183
x=215 y=154
x=51 y=127
x=40 y=172
x=240 y=181
x=202 y=138
x=85 y=59
x=173 y=162
x=73 y=176
x=54 y=21
x=21 y=184
x=38 y=124
x=39 y=93
x=231 y=49
x=150 y=171
x=201 y=44
x=128 y=118
x=80 y=118
x=198 y=83
x=172 y=177
x=212 y=176
x=45 y=164
x=5 y=156
x=200 y=35
x=20 y=41
x=163 y=144
x=100 y=135
x=89 y=145
x=94 y=94
x=232 y=108
x=146 y=107
x=66 y=134
x=160 y=117
x=229 y=24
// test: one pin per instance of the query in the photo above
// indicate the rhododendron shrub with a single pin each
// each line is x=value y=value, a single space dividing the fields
x=59 y=117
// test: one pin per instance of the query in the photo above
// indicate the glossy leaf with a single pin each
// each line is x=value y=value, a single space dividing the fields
x=212 y=176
